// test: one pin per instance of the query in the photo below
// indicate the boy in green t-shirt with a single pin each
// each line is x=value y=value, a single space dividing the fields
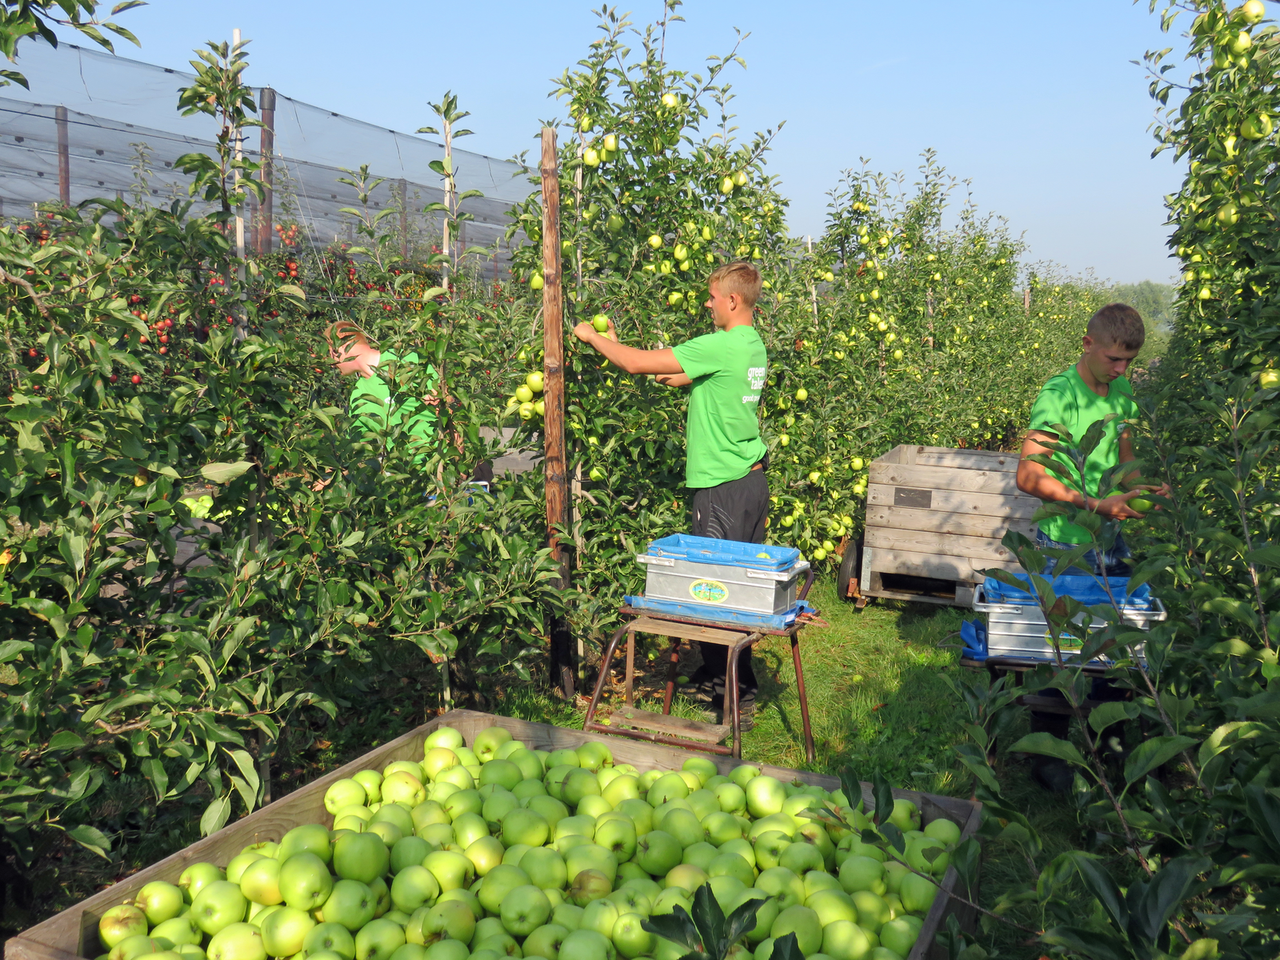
x=1076 y=399
x=726 y=458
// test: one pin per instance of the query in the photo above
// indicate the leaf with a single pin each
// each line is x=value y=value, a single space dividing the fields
x=291 y=290
x=851 y=787
x=1113 y=711
x=1269 y=555
x=224 y=472
x=1048 y=745
x=708 y=917
x=91 y=838
x=64 y=740
x=786 y=947
x=1264 y=811
x=1086 y=943
x=1101 y=885
x=1153 y=753
x=742 y=919
x=676 y=926
x=882 y=794
x=215 y=816
x=1163 y=895
x=153 y=769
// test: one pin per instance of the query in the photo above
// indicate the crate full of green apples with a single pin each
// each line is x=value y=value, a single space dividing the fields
x=478 y=837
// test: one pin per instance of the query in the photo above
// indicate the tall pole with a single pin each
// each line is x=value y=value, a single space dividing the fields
x=555 y=462
x=267 y=151
x=64 y=156
x=235 y=41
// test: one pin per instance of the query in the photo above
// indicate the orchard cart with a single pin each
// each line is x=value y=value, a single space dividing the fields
x=688 y=577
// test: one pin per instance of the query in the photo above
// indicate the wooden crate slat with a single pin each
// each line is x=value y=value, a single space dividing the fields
x=941 y=521
x=916 y=564
x=951 y=545
x=988 y=504
x=638 y=719
x=967 y=459
x=941 y=478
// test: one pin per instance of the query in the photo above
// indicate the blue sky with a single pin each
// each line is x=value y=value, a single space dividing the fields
x=1037 y=105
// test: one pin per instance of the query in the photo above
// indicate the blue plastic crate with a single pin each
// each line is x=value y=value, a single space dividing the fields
x=758 y=556
x=1087 y=590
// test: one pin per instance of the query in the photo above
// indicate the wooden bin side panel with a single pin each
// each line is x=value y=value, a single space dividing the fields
x=935 y=565
x=965 y=459
x=880 y=518
x=942 y=544
x=990 y=504
x=71 y=935
x=942 y=478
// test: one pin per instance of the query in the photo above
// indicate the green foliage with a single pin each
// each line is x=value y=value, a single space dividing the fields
x=24 y=19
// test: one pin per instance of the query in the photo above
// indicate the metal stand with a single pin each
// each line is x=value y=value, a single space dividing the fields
x=689 y=734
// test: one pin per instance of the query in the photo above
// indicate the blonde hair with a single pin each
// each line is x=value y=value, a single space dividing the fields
x=1117 y=324
x=739 y=278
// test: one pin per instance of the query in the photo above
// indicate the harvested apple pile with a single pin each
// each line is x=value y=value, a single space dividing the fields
x=498 y=851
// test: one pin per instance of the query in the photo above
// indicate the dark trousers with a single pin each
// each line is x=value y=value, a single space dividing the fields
x=735 y=510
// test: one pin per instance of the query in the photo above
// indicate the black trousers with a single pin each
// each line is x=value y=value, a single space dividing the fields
x=735 y=510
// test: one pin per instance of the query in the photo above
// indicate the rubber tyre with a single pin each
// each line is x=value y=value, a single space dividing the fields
x=850 y=568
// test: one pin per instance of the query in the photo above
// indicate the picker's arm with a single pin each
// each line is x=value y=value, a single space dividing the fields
x=657 y=362
x=1036 y=480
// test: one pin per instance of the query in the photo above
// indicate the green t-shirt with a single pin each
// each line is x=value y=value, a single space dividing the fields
x=371 y=400
x=1067 y=400
x=728 y=370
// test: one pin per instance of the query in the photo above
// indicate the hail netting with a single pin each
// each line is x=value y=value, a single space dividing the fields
x=123 y=132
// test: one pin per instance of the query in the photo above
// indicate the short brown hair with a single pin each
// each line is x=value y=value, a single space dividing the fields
x=1117 y=324
x=738 y=277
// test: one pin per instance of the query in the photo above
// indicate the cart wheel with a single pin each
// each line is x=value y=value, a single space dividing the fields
x=849 y=568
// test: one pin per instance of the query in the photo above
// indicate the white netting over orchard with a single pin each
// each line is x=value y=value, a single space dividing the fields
x=121 y=131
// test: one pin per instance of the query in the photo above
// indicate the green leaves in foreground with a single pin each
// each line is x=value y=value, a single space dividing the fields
x=708 y=933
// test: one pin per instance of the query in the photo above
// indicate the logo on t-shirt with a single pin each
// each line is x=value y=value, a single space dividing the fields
x=755 y=378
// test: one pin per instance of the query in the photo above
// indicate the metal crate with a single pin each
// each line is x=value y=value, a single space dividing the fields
x=1020 y=630
x=722 y=574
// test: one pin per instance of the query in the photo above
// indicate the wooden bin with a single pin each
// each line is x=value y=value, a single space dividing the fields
x=938 y=513
x=73 y=933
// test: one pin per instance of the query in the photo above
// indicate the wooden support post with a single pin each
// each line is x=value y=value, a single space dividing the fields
x=1026 y=300
x=402 y=190
x=64 y=156
x=557 y=474
x=267 y=152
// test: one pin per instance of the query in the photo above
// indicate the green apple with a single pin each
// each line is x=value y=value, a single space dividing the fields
x=123 y=921
x=452 y=919
x=641 y=814
x=443 y=736
x=731 y=797
x=944 y=830
x=686 y=875
x=567 y=915
x=379 y=939
x=342 y=793
x=587 y=945
x=416 y=951
x=236 y=865
x=549 y=808
x=766 y=913
x=703 y=802
x=832 y=905
x=499 y=803
x=460 y=776
x=351 y=904
x=488 y=740
x=819 y=880
x=593 y=806
x=721 y=827
x=658 y=852
x=765 y=795
x=194 y=878
x=616 y=832
x=530 y=766
x=545 y=941
x=665 y=787
x=629 y=936
x=917 y=893
x=385 y=830
x=485 y=853
x=502 y=772
x=845 y=940
x=769 y=847
x=744 y=773
x=928 y=855
x=524 y=909
x=900 y=935
x=801 y=921
x=309 y=837
x=437 y=760
x=413 y=887
x=731 y=865
x=704 y=767
x=330 y=937
x=177 y=931
x=135 y=946
x=801 y=858
x=407 y=850
x=863 y=873
x=782 y=885
x=684 y=825
x=593 y=755
x=371 y=780
x=284 y=932
x=873 y=912
x=260 y=881
x=619 y=788
x=305 y=883
x=361 y=856
x=741 y=847
x=591 y=856
x=600 y=915
x=587 y=886
x=399 y=785
x=218 y=905
x=237 y=941
x=905 y=815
